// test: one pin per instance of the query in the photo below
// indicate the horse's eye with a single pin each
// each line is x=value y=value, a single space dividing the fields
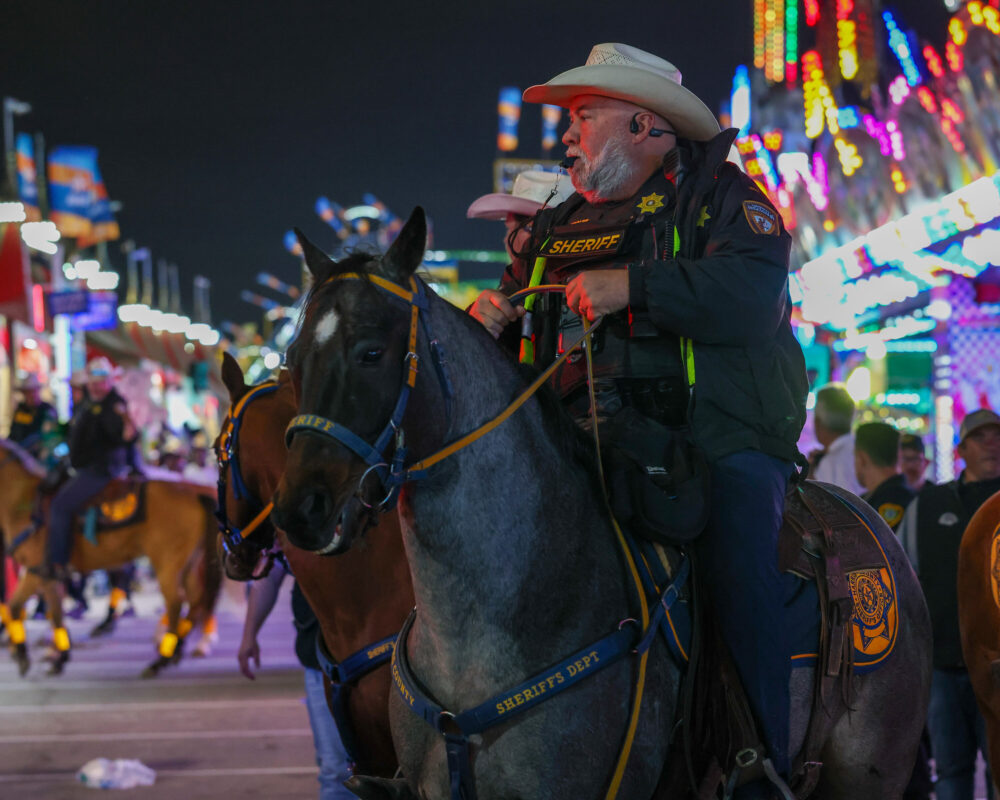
x=372 y=355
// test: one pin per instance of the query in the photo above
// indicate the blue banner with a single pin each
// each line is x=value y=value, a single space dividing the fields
x=27 y=177
x=72 y=173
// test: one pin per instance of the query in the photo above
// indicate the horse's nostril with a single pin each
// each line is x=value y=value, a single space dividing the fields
x=315 y=507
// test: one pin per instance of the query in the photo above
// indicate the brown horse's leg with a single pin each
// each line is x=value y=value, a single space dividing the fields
x=28 y=586
x=169 y=578
x=54 y=591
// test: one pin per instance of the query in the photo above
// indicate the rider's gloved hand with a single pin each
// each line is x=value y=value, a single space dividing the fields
x=494 y=311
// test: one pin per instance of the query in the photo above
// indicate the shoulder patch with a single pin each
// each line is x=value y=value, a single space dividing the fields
x=892 y=513
x=761 y=217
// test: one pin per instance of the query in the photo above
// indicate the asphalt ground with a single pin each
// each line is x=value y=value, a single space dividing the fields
x=206 y=730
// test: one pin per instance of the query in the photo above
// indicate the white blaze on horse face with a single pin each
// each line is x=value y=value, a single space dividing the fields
x=326 y=327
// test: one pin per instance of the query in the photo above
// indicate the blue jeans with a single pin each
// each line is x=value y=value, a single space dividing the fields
x=74 y=495
x=331 y=759
x=957 y=733
x=739 y=553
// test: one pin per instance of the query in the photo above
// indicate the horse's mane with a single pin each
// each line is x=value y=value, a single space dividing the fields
x=28 y=461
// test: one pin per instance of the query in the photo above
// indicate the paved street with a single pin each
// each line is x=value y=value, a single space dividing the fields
x=206 y=730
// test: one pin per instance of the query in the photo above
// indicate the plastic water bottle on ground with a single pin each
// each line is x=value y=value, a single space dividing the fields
x=121 y=773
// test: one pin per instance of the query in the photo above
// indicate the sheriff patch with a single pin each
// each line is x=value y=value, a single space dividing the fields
x=892 y=513
x=606 y=242
x=761 y=217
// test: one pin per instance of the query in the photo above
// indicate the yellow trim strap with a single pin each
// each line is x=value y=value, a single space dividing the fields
x=168 y=645
x=257 y=521
x=184 y=628
x=5 y=616
x=117 y=595
x=16 y=630
x=60 y=638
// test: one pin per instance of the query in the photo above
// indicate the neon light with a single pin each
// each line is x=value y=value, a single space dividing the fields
x=944 y=438
x=899 y=90
x=933 y=60
x=849 y=158
x=954 y=55
x=847 y=39
x=900 y=47
x=895 y=139
x=774 y=40
x=509 y=111
x=848 y=117
x=791 y=40
x=927 y=100
x=38 y=307
x=957 y=30
x=773 y=139
x=759 y=8
x=739 y=102
x=767 y=170
x=812 y=12
x=898 y=181
x=819 y=105
x=950 y=110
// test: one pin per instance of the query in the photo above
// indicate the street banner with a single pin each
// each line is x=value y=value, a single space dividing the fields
x=27 y=178
x=72 y=173
x=509 y=111
x=104 y=226
x=70 y=301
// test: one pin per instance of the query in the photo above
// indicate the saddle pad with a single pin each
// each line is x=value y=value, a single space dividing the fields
x=875 y=620
x=121 y=503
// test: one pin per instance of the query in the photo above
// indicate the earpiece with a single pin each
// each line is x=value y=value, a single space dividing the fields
x=633 y=127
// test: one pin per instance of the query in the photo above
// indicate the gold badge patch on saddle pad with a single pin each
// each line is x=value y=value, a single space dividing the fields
x=876 y=617
x=761 y=217
x=114 y=512
x=995 y=565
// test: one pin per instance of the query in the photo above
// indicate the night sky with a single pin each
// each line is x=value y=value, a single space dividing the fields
x=220 y=123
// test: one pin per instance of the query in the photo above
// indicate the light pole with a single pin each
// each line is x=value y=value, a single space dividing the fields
x=11 y=107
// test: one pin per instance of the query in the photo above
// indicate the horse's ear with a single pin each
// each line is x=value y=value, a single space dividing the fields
x=319 y=263
x=407 y=251
x=232 y=378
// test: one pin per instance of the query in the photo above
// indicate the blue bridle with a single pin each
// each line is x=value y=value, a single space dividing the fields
x=390 y=470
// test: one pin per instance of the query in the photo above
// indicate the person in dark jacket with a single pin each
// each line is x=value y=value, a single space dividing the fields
x=913 y=461
x=35 y=422
x=876 y=464
x=931 y=533
x=98 y=443
x=687 y=261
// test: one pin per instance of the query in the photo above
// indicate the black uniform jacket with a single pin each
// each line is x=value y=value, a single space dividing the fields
x=97 y=435
x=725 y=291
x=890 y=499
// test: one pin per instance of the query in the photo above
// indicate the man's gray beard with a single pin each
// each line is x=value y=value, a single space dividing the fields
x=606 y=177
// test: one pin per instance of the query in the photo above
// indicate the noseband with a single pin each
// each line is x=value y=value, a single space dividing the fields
x=229 y=464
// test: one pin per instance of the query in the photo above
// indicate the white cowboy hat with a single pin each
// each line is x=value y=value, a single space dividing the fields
x=628 y=73
x=30 y=383
x=100 y=367
x=532 y=189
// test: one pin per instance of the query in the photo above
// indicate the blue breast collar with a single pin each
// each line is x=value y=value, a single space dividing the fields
x=343 y=676
x=457 y=727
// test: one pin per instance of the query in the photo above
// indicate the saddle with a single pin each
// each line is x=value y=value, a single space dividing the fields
x=824 y=539
x=121 y=502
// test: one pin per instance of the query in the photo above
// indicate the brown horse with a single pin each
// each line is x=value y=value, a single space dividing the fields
x=979 y=616
x=359 y=598
x=177 y=535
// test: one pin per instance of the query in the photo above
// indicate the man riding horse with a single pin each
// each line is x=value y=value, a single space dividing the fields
x=688 y=261
x=35 y=425
x=98 y=451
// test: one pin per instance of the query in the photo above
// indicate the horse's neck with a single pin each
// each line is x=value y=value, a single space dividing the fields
x=508 y=526
x=18 y=489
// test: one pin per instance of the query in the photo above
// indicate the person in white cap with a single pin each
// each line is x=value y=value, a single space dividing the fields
x=35 y=421
x=687 y=259
x=931 y=533
x=98 y=451
x=533 y=190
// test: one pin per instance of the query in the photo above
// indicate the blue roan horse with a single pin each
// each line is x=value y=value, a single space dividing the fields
x=514 y=559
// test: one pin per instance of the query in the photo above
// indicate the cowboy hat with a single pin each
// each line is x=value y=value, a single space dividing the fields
x=533 y=189
x=30 y=383
x=628 y=73
x=100 y=367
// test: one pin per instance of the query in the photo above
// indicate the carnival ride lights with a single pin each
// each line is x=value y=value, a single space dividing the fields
x=819 y=105
x=739 y=100
x=850 y=160
x=847 y=39
x=900 y=47
x=812 y=12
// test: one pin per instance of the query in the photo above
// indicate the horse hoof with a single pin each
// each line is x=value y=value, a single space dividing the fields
x=56 y=664
x=369 y=788
x=104 y=628
x=154 y=669
x=23 y=662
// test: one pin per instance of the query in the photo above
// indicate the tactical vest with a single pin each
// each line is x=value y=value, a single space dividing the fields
x=635 y=363
x=942 y=517
x=96 y=435
x=28 y=422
